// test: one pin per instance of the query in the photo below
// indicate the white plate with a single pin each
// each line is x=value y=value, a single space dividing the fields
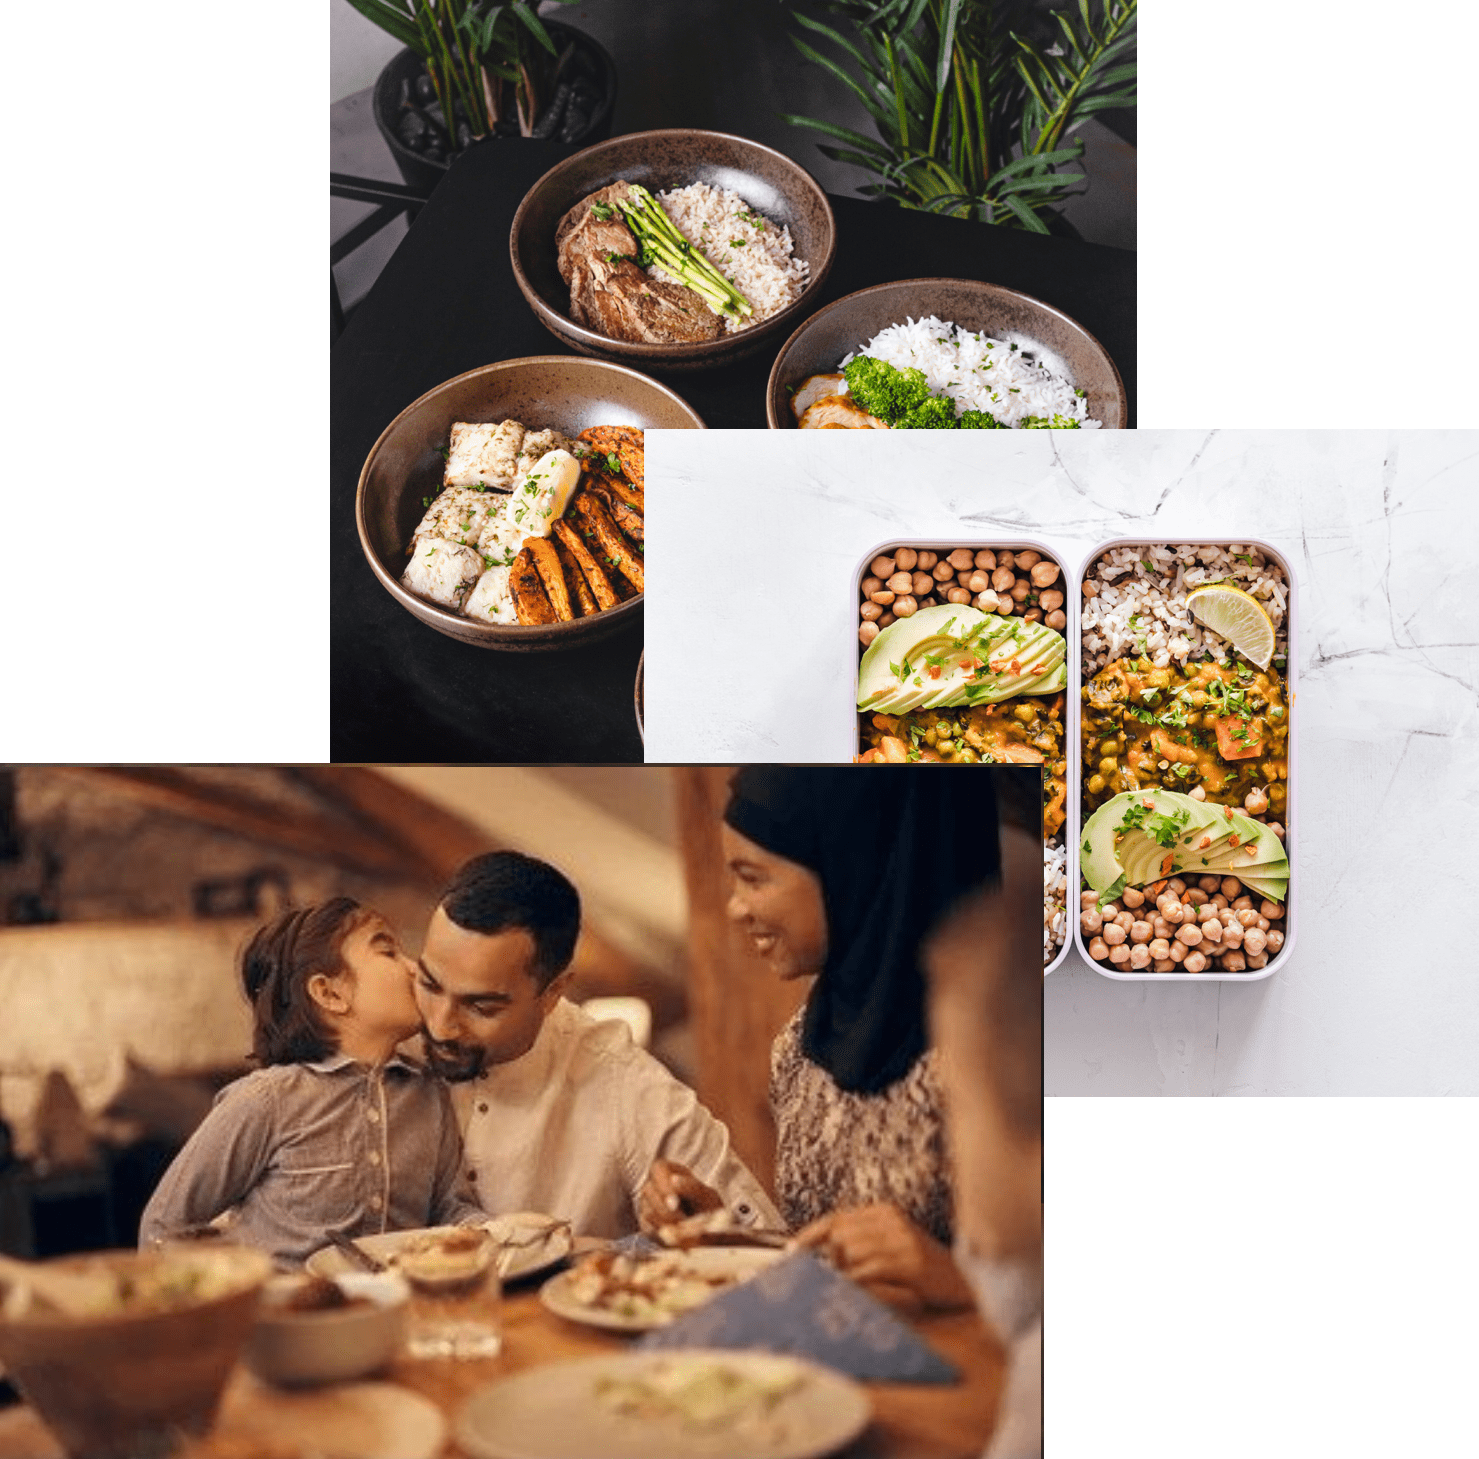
x=362 y=1420
x=552 y=1412
x=738 y=1263
x=516 y=1263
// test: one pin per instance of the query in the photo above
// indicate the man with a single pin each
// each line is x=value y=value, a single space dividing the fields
x=559 y=1113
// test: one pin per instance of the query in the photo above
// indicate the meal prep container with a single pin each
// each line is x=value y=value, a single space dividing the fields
x=1071 y=599
x=1291 y=674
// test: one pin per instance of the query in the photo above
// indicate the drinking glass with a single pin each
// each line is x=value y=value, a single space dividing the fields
x=455 y=1294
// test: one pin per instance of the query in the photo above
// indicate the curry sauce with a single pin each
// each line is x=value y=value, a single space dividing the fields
x=1224 y=727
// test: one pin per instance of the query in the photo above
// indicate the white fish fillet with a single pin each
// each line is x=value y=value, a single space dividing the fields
x=491 y=601
x=459 y=515
x=442 y=571
x=486 y=453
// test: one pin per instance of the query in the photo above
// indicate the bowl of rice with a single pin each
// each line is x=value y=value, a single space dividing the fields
x=986 y=348
x=714 y=187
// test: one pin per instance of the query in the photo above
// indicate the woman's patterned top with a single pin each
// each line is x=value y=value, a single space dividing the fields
x=835 y=1149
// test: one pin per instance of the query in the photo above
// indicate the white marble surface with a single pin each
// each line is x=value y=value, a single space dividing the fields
x=754 y=538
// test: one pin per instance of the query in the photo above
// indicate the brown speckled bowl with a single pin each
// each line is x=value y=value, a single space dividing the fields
x=641 y=721
x=405 y=465
x=821 y=343
x=770 y=183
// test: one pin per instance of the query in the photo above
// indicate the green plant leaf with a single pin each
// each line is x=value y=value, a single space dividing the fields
x=1024 y=215
x=843 y=134
x=947 y=44
x=531 y=20
x=878 y=112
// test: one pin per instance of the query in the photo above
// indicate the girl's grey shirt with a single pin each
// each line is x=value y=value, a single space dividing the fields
x=302 y=1151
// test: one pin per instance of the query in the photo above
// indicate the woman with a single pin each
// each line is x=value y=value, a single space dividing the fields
x=838 y=876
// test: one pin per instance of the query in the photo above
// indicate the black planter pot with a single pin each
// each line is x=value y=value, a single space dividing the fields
x=590 y=60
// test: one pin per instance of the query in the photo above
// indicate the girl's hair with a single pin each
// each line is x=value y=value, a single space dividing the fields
x=275 y=969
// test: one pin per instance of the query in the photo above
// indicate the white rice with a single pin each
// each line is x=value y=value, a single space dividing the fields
x=977 y=372
x=750 y=251
x=1149 y=585
x=1054 y=899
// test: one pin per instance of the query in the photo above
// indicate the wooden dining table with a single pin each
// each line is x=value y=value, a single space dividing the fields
x=910 y=1420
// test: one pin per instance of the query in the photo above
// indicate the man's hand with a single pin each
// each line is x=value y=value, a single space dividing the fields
x=882 y=1250
x=671 y=1192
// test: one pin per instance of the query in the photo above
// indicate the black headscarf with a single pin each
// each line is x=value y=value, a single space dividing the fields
x=894 y=846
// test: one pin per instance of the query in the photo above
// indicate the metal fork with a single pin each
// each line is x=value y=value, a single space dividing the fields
x=356 y=1253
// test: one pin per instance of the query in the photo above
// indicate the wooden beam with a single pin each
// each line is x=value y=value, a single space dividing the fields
x=308 y=832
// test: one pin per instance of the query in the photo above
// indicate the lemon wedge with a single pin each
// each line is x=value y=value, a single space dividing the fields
x=1236 y=616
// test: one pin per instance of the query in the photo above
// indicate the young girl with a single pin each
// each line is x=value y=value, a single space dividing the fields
x=334 y=1133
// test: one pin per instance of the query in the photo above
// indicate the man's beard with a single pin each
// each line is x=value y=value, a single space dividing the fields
x=456 y=1063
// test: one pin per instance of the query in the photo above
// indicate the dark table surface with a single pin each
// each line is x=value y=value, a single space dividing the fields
x=447 y=302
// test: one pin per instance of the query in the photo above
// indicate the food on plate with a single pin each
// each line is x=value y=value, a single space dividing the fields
x=644 y=1288
x=109 y=1286
x=447 y=1261
x=964 y=661
x=532 y=527
x=1185 y=758
x=676 y=268
x=319 y=1294
x=703 y=1393
x=929 y=374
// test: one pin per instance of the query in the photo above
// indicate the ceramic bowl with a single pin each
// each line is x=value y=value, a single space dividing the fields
x=295 y=1349
x=768 y=181
x=821 y=343
x=129 y=1381
x=405 y=466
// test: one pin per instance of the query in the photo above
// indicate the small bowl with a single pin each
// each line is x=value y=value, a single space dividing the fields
x=296 y=1349
x=129 y=1382
x=405 y=465
x=768 y=181
x=641 y=723
x=819 y=346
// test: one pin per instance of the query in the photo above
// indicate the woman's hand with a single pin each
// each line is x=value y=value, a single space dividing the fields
x=671 y=1192
x=882 y=1250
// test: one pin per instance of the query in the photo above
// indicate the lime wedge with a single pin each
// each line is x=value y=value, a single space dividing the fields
x=1236 y=616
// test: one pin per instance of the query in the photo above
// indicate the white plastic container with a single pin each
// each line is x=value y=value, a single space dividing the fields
x=1071 y=598
x=1291 y=674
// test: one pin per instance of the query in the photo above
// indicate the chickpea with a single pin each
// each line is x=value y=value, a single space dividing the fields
x=1057 y=619
x=1277 y=829
x=884 y=596
x=1272 y=910
x=1119 y=953
x=1111 y=910
x=1190 y=934
x=1194 y=896
x=1195 y=962
x=1032 y=615
x=1160 y=947
x=921 y=584
x=886 y=620
x=964 y=578
x=1113 y=934
x=1212 y=931
x=882 y=567
x=905 y=558
x=1091 y=589
x=1139 y=956
x=1209 y=884
x=1274 y=939
x=905 y=607
x=986 y=601
x=1088 y=899
x=979 y=581
x=1176 y=885
x=926 y=561
x=1175 y=914
x=869 y=611
x=1262 y=924
x=1020 y=590
x=1234 y=961
x=1090 y=920
x=1140 y=932
x=1162 y=928
x=1098 y=949
x=1248 y=918
x=1196 y=792
x=986 y=558
x=1045 y=574
x=1125 y=920
x=1256 y=801
x=869 y=586
x=1002 y=579
x=1232 y=934
x=1005 y=559
x=962 y=557
x=1004 y=604
x=1231 y=886
x=867 y=632
x=1243 y=903
x=1220 y=902
x=1163 y=965
x=943 y=572
x=900 y=582
x=1257 y=959
x=1178 y=952
x=1051 y=599
x=1132 y=897
x=1254 y=940
x=1206 y=913
x=959 y=595
x=1096 y=784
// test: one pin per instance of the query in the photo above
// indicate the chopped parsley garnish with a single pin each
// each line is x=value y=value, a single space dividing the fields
x=602 y=212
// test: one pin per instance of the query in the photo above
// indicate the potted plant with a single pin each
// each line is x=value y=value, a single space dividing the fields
x=472 y=69
x=975 y=100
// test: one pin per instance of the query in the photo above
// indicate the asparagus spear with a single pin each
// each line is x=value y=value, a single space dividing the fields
x=662 y=243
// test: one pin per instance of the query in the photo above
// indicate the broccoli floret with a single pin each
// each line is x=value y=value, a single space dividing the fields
x=979 y=420
x=883 y=391
x=1046 y=423
x=932 y=414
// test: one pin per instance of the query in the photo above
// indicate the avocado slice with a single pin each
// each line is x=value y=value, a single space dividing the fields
x=1126 y=841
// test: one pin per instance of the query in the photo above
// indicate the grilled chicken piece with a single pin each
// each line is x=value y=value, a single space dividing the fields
x=612 y=544
x=595 y=576
x=813 y=388
x=531 y=602
x=547 y=563
x=625 y=443
x=837 y=413
x=585 y=600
